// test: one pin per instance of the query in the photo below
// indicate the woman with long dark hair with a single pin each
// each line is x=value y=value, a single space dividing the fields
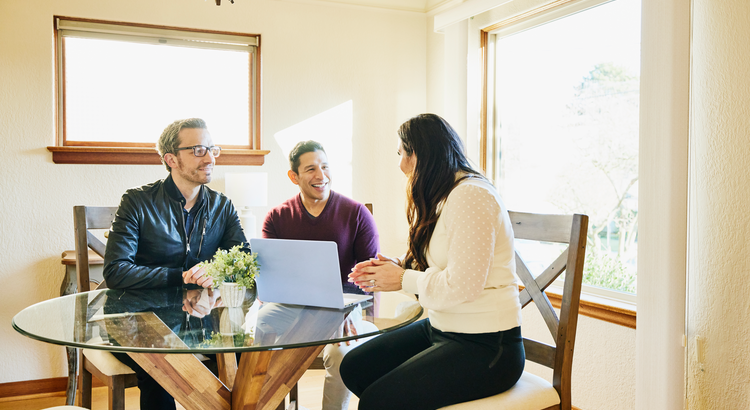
x=460 y=262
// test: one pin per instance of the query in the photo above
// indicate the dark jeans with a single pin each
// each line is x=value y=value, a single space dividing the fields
x=420 y=367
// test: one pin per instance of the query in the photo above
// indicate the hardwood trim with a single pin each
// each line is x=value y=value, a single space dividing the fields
x=157 y=26
x=257 y=92
x=254 y=139
x=484 y=43
x=56 y=81
x=40 y=386
x=109 y=144
x=143 y=156
x=608 y=313
x=525 y=15
x=150 y=145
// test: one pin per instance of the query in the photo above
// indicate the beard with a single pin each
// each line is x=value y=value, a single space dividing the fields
x=194 y=175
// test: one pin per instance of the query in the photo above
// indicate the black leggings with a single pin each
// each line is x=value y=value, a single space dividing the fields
x=420 y=367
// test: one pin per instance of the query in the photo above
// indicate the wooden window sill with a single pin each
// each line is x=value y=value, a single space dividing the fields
x=143 y=156
x=619 y=313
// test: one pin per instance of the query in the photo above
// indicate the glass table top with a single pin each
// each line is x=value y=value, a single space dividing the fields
x=187 y=320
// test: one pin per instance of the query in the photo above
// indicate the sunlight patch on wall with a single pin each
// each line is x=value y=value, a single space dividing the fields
x=333 y=129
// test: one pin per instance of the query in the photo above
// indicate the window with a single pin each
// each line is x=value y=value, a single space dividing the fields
x=119 y=85
x=562 y=126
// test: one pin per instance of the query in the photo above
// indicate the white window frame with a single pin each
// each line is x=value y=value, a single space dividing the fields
x=488 y=150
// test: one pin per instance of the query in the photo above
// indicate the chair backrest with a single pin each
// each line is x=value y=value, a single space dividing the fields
x=87 y=218
x=565 y=229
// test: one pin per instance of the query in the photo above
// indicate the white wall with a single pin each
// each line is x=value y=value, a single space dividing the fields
x=314 y=57
x=719 y=222
x=603 y=363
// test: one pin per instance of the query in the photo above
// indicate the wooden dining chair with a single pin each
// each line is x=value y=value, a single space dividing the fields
x=532 y=392
x=110 y=371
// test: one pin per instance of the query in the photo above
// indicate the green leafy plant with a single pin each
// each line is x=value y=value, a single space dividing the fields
x=233 y=265
x=606 y=271
x=235 y=340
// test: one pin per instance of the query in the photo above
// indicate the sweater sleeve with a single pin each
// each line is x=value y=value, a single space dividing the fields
x=367 y=241
x=472 y=220
x=269 y=230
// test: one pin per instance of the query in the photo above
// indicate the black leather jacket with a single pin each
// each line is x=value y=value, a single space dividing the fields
x=147 y=245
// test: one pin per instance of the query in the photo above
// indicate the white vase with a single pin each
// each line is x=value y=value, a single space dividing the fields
x=232 y=294
x=231 y=321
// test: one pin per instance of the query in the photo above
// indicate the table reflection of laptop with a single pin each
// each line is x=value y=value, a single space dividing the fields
x=301 y=273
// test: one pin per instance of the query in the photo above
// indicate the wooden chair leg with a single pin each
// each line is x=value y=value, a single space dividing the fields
x=117 y=393
x=70 y=392
x=293 y=393
x=85 y=383
x=293 y=398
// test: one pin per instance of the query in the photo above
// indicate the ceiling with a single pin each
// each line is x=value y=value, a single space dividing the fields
x=421 y=6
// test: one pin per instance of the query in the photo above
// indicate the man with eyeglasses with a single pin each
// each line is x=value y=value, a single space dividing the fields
x=163 y=230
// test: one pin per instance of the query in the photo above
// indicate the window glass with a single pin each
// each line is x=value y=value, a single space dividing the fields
x=123 y=89
x=565 y=129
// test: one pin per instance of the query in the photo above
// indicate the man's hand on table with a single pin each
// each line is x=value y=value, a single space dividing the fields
x=197 y=275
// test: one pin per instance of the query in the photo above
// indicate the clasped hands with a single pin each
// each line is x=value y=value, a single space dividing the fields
x=192 y=302
x=200 y=302
x=197 y=275
x=379 y=274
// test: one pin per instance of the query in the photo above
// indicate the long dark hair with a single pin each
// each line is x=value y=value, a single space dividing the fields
x=440 y=156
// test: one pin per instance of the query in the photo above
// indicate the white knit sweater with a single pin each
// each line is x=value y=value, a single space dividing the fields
x=470 y=284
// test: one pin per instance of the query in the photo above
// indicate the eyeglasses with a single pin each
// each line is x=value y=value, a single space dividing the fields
x=201 y=150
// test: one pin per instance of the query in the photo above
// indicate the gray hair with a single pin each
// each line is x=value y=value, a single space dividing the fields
x=170 y=140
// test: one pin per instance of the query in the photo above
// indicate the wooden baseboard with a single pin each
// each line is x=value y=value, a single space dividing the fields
x=40 y=386
x=53 y=386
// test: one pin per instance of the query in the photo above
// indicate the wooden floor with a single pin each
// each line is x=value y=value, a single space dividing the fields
x=310 y=396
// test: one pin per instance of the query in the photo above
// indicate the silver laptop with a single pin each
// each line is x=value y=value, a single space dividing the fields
x=301 y=273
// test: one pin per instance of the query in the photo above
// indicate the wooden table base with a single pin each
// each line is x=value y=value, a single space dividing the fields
x=262 y=380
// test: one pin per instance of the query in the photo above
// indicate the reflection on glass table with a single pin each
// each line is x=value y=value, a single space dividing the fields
x=153 y=326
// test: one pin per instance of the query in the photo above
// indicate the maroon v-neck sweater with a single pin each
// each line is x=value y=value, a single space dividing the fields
x=343 y=220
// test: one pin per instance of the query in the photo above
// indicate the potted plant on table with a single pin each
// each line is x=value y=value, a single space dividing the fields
x=233 y=272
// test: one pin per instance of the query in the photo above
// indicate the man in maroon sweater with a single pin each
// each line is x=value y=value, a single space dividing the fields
x=320 y=214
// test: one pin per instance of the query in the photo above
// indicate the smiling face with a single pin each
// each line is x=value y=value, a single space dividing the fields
x=408 y=162
x=188 y=168
x=313 y=177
